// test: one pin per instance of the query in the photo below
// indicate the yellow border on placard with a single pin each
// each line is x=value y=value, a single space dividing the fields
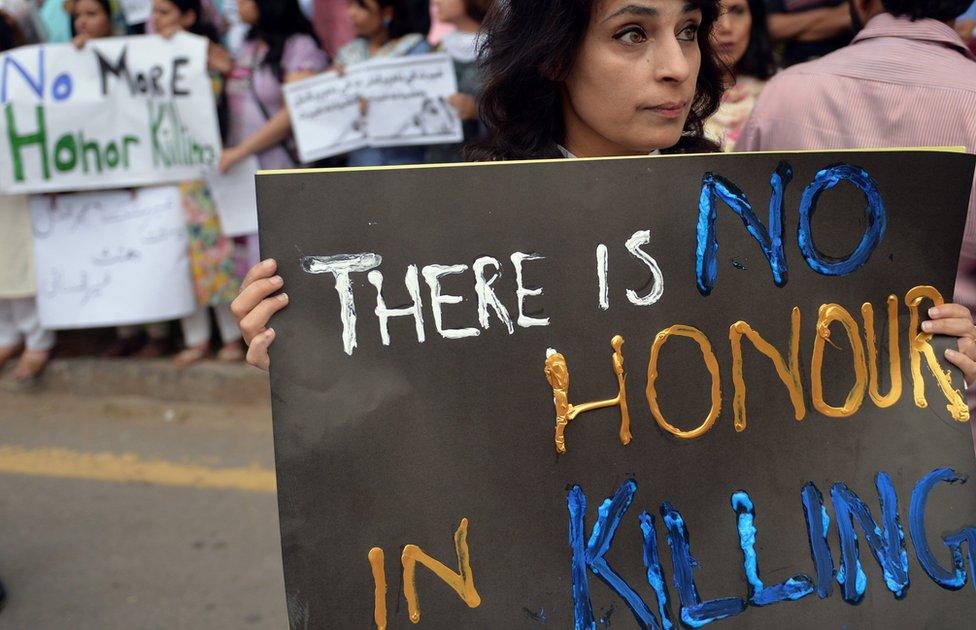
x=396 y=167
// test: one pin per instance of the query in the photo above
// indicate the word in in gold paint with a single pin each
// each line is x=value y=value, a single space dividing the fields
x=864 y=364
x=462 y=582
x=716 y=188
x=885 y=540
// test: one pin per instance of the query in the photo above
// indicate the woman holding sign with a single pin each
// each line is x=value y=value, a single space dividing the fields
x=609 y=78
x=93 y=19
x=280 y=47
x=384 y=28
x=96 y=19
x=20 y=329
x=212 y=263
x=466 y=16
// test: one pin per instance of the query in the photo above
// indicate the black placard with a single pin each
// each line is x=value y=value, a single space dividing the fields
x=384 y=446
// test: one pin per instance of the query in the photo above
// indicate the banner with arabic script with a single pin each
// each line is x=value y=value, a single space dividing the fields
x=380 y=103
x=110 y=258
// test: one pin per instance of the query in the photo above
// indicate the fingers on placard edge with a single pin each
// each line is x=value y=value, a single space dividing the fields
x=964 y=363
x=967 y=345
x=257 y=353
x=254 y=322
x=251 y=297
x=951 y=310
x=955 y=327
x=264 y=269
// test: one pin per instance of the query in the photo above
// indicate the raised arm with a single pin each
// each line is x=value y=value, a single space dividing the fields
x=810 y=26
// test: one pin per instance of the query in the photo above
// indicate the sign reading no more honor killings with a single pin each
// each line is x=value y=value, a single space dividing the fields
x=647 y=392
x=125 y=111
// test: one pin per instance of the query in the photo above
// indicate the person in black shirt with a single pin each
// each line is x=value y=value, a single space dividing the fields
x=809 y=29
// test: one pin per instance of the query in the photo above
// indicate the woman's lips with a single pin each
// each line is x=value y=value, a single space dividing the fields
x=672 y=109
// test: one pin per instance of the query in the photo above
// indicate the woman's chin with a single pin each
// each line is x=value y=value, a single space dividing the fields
x=659 y=139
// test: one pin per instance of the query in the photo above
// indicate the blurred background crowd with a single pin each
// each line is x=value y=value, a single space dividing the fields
x=801 y=74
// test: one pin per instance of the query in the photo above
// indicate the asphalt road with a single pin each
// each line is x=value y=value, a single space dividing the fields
x=126 y=513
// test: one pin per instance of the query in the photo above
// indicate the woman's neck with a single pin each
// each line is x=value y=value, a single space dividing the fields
x=377 y=40
x=466 y=24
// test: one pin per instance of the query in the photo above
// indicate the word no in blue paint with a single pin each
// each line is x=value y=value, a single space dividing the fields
x=886 y=542
x=59 y=90
x=716 y=188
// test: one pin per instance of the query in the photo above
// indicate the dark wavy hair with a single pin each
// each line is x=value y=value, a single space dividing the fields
x=406 y=18
x=10 y=34
x=201 y=26
x=530 y=48
x=478 y=9
x=278 y=21
x=758 y=61
x=941 y=10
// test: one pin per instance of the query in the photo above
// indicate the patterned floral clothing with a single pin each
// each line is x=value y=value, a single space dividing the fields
x=726 y=124
x=215 y=278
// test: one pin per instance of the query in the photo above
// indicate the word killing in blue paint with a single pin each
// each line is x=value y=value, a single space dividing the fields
x=886 y=542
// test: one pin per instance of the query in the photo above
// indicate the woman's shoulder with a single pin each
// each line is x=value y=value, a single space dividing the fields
x=301 y=43
x=353 y=52
x=410 y=44
x=302 y=52
x=752 y=85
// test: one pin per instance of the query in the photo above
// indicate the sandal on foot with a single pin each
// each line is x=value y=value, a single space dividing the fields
x=192 y=355
x=154 y=349
x=31 y=365
x=9 y=352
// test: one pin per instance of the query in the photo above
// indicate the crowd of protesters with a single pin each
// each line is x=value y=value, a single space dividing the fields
x=775 y=75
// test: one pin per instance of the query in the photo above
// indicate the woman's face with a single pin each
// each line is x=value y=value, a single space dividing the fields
x=732 y=31
x=633 y=82
x=91 y=19
x=167 y=17
x=369 y=20
x=449 y=11
x=249 y=12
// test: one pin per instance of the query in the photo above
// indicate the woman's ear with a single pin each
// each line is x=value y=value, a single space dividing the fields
x=387 y=14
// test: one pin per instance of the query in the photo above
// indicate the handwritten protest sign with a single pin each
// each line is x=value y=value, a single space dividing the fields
x=129 y=110
x=234 y=196
x=407 y=105
x=108 y=258
x=326 y=114
x=645 y=391
x=136 y=11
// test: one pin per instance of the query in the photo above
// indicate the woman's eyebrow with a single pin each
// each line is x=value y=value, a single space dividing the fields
x=635 y=9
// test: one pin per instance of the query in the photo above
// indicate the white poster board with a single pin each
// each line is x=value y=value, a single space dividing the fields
x=236 y=198
x=111 y=258
x=407 y=105
x=126 y=111
x=136 y=11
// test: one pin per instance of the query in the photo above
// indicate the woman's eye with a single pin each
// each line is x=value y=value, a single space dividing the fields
x=688 y=33
x=632 y=36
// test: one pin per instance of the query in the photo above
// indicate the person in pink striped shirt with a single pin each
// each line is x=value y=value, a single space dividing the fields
x=907 y=80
